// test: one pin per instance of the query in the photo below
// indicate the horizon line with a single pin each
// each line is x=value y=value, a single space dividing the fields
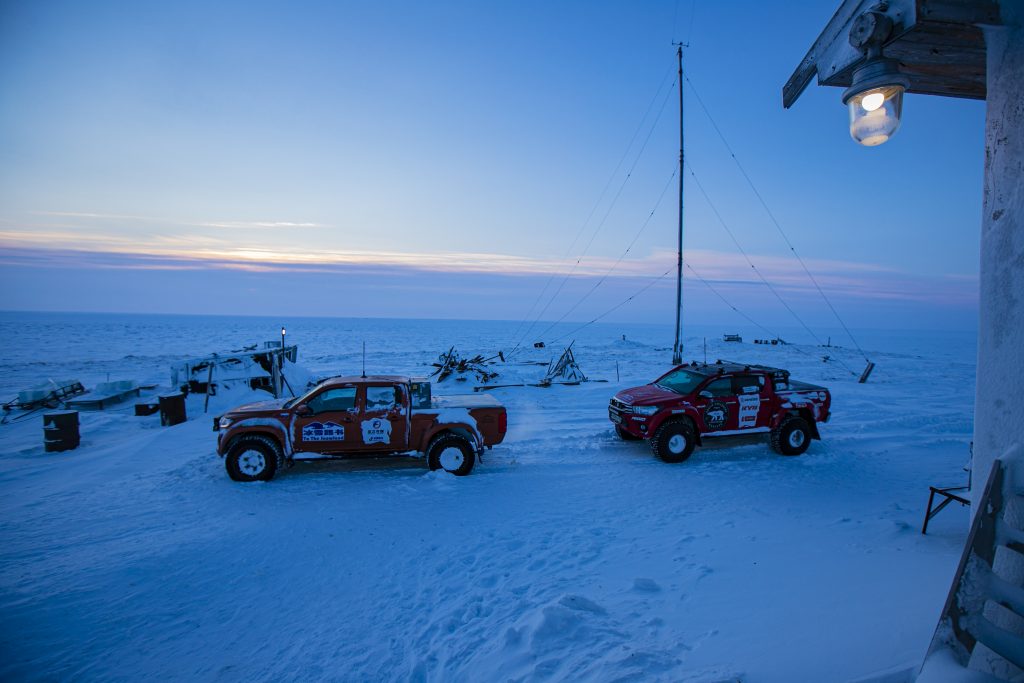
x=285 y=318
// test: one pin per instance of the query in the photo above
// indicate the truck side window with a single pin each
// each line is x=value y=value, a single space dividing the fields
x=380 y=398
x=747 y=384
x=342 y=398
x=720 y=387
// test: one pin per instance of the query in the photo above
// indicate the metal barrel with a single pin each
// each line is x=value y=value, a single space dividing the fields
x=172 y=409
x=146 y=408
x=60 y=431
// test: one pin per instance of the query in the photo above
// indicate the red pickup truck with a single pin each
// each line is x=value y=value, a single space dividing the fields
x=357 y=417
x=693 y=402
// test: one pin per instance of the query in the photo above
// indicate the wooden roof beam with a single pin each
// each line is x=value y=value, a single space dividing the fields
x=929 y=37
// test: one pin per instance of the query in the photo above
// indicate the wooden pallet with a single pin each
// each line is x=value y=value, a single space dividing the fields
x=101 y=400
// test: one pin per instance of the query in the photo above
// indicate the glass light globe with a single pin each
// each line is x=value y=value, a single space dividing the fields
x=875 y=114
x=872 y=101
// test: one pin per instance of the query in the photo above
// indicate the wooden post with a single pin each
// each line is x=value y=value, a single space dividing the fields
x=275 y=374
x=867 y=373
x=209 y=388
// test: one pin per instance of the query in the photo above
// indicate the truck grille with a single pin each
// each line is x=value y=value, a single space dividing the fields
x=617 y=406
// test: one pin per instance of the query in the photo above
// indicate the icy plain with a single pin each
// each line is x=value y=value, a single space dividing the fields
x=566 y=555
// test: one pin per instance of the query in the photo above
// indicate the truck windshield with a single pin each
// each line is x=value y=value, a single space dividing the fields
x=680 y=381
x=290 y=403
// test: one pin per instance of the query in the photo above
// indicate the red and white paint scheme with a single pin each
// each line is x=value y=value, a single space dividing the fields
x=692 y=402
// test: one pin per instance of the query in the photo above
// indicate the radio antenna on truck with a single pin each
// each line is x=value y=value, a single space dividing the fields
x=364 y=359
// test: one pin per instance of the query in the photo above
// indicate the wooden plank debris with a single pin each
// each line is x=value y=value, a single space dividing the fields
x=985 y=597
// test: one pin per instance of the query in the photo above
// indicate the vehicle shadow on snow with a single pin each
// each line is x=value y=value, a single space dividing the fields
x=405 y=465
x=753 y=448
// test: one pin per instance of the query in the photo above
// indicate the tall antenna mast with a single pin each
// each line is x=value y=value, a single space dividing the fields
x=677 y=347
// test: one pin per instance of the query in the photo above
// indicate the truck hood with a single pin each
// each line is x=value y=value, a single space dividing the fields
x=260 y=407
x=648 y=394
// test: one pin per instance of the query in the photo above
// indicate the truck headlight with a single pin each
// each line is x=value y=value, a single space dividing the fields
x=645 y=410
x=224 y=422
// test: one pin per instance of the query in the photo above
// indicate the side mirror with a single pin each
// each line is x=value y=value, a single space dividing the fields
x=705 y=394
x=303 y=410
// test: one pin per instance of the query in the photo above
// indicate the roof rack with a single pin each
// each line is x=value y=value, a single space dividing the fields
x=754 y=366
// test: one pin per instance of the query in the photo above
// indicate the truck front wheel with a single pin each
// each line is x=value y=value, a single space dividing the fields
x=452 y=453
x=673 y=441
x=252 y=458
x=792 y=437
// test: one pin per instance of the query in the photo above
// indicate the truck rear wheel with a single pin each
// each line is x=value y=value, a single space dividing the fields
x=673 y=441
x=792 y=437
x=252 y=458
x=451 y=453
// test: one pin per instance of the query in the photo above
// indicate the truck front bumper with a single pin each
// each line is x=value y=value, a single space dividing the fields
x=636 y=425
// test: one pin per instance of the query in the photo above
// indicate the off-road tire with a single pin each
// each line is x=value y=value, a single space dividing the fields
x=253 y=458
x=673 y=441
x=451 y=453
x=624 y=435
x=792 y=437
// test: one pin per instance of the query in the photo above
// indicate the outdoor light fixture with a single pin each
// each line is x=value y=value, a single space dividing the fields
x=282 y=337
x=875 y=97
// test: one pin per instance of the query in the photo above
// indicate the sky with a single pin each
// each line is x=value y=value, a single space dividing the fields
x=496 y=160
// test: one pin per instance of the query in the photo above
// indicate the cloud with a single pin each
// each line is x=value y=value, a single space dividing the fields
x=94 y=240
x=246 y=225
x=104 y=216
x=193 y=246
x=727 y=274
x=231 y=225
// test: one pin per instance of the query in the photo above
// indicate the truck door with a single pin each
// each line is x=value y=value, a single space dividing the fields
x=330 y=424
x=753 y=402
x=384 y=420
x=720 y=410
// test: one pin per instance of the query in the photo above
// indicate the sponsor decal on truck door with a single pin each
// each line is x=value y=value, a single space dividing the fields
x=749 y=405
x=385 y=420
x=376 y=430
x=323 y=431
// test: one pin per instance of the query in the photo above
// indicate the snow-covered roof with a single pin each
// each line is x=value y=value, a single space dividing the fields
x=355 y=379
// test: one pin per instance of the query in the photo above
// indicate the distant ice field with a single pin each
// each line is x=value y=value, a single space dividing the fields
x=93 y=345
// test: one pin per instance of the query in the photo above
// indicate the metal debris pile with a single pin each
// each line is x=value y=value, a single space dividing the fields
x=452 y=364
x=565 y=370
x=49 y=395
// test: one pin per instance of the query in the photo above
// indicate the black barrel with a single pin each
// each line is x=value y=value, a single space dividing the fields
x=146 y=408
x=60 y=431
x=172 y=409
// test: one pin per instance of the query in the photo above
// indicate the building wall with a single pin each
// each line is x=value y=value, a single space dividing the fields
x=999 y=407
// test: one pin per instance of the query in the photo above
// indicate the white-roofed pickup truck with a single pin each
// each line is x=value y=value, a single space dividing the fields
x=344 y=417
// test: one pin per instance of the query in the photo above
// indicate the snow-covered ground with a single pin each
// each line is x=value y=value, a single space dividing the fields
x=566 y=555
